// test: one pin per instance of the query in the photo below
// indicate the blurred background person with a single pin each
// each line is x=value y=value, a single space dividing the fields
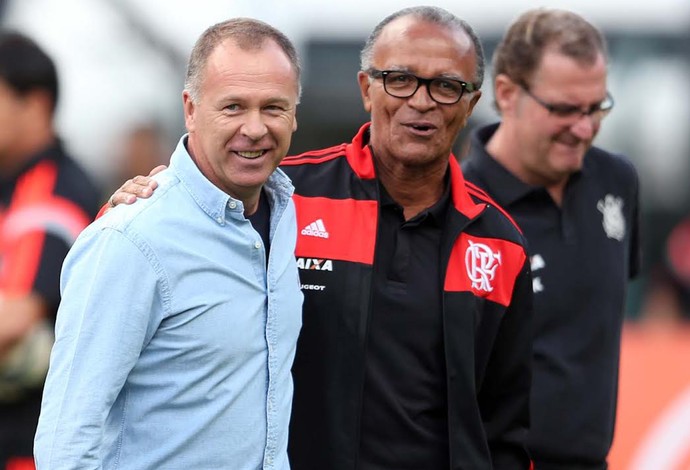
x=668 y=294
x=578 y=206
x=46 y=199
x=141 y=147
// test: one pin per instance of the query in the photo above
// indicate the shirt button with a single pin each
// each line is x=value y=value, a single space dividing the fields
x=219 y=220
x=257 y=245
x=232 y=204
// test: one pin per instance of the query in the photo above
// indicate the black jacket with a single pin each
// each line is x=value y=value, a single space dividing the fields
x=486 y=313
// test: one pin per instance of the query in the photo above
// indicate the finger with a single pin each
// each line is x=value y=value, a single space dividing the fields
x=139 y=186
x=142 y=181
x=158 y=169
x=120 y=197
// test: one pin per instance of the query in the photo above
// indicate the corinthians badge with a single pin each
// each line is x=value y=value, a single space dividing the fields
x=614 y=222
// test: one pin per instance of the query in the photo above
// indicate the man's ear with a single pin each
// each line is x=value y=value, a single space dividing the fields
x=506 y=92
x=188 y=108
x=37 y=108
x=475 y=98
x=41 y=100
x=364 y=86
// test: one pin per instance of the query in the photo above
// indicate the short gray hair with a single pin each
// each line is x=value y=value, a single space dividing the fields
x=248 y=34
x=434 y=15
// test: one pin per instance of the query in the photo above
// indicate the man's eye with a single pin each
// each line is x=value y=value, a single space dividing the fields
x=232 y=107
x=448 y=85
x=400 y=79
x=565 y=110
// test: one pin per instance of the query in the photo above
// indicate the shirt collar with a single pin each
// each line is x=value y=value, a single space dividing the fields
x=436 y=213
x=211 y=199
x=503 y=186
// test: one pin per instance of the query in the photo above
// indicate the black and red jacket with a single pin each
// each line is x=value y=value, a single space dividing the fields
x=486 y=314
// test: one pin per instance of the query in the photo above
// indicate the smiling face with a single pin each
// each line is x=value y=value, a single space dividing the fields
x=241 y=124
x=417 y=132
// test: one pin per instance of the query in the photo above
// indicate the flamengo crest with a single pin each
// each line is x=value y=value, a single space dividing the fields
x=481 y=264
x=614 y=222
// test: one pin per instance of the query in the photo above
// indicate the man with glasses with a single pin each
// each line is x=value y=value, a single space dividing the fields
x=403 y=85
x=578 y=208
x=415 y=350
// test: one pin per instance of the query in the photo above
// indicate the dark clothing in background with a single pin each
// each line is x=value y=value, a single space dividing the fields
x=582 y=255
x=42 y=210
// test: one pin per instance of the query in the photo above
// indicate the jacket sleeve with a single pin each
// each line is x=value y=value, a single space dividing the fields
x=504 y=394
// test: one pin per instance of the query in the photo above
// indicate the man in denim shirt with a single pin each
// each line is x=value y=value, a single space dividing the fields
x=177 y=327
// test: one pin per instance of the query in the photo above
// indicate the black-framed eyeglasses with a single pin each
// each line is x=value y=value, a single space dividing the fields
x=403 y=85
x=597 y=111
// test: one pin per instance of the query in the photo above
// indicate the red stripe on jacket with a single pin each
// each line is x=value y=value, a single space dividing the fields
x=481 y=194
x=21 y=258
x=337 y=240
x=33 y=213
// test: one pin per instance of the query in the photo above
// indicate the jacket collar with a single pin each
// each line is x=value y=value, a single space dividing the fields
x=361 y=160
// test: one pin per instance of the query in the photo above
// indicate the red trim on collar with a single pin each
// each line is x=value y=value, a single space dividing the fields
x=315 y=156
x=461 y=198
x=359 y=155
x=361 y=160
x=481 y=194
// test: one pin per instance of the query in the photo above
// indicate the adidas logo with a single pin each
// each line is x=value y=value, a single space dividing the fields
x=315 y=229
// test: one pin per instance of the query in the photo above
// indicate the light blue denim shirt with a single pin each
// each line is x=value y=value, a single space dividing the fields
x=174 y=340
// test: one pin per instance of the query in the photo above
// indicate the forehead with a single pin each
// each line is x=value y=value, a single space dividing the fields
x=425 y=48
x=569 y=78
x=256 y=68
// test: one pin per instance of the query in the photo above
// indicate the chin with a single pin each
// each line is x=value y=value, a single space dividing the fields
x=572 y=159
x=418 y=154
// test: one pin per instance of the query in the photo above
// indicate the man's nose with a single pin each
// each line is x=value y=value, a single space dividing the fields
x=421 y=99
x=586 y=126
x=254 y=126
